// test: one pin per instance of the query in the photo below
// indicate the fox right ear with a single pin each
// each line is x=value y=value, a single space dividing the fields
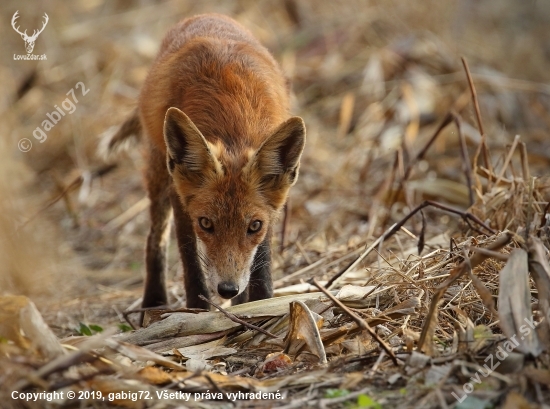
x=274 y=167
x=188 y=152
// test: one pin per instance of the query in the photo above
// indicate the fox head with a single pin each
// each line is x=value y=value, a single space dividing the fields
x=232 y=197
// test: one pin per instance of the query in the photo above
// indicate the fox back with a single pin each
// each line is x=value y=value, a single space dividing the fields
x=222 y=152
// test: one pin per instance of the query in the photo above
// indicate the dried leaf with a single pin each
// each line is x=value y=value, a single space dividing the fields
x=436 y=373
x=516 y=401
x=465 y=331
x=449 y=190
x=422 y=235
x=207 y=350
x=346 y=114
x=373 y=77
x=182 y=342
x=418 y=360
x=184 y=324
x=540 y=270
x=484 y=293
x=511 y=362
x=514 y=304
x=157 y=376
x=429 y=327
x=304 y=327
x=138 y=353
x=482 y=337
x=21 y=323
x=538 y=375
x=197 y=365
x=407 y=307
x=274 y=362
x=267 y=385
x=355 y=296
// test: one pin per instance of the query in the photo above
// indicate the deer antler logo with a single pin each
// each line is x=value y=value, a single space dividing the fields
x=29 y=40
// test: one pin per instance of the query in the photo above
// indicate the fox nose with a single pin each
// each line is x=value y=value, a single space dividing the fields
x=227 y=290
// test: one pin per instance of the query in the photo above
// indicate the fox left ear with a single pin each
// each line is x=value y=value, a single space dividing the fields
x=276 y=163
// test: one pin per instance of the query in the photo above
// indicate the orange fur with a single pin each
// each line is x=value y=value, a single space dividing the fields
x=215 y=109
x=215 y=71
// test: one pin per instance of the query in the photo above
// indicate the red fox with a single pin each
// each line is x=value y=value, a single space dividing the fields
x=222 y=153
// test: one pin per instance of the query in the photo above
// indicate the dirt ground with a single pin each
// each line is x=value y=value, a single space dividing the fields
x=372 y=79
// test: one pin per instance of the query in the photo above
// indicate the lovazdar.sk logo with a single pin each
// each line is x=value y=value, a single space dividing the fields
x=29 y=39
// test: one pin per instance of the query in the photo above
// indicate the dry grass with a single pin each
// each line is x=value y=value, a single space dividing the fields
x=373 y=80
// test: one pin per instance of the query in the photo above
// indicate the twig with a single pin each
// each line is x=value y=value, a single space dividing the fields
x=524 y=161
x=465 y=158
x=422 y=235
x=286 y=223
x=63 y=383
x=543 y=218
x=358 y=320
x=84 y=354
x=236 y=319
x=446 y=121
x=386 y=188
x=479 y=286
x=307 y=268
x=457 y=107
x=474 y=96
x=490 y=253
x=466 y=216
x=218 y=389
x=376 y=364
x=126 y=313
x=75 y=184
x=278 y=283
x=529 y=209
x=359 y=258
x=452 y=246
x=483 y=145
x=127 y=215
x=501 y=241
x=508 y=158
x=293 y=12
x=441 y=398
x=405 y=175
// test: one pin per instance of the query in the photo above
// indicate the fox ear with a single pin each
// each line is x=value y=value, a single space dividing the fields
x=188 y=151
x=276 y=163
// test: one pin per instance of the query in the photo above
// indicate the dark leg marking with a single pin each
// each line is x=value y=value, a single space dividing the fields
x=261 y=284
x=193 y=277
x=158 y=188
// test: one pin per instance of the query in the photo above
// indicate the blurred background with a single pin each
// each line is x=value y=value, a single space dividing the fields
x=372 y=79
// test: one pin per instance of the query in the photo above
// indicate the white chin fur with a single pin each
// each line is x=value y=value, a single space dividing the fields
x=212 y=278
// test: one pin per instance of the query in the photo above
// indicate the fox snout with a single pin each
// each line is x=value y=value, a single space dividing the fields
x=228 y=289
x=226 y=275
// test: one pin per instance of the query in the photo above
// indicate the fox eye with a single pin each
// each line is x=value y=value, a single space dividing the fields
x=255 y=226
x=206 y=224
